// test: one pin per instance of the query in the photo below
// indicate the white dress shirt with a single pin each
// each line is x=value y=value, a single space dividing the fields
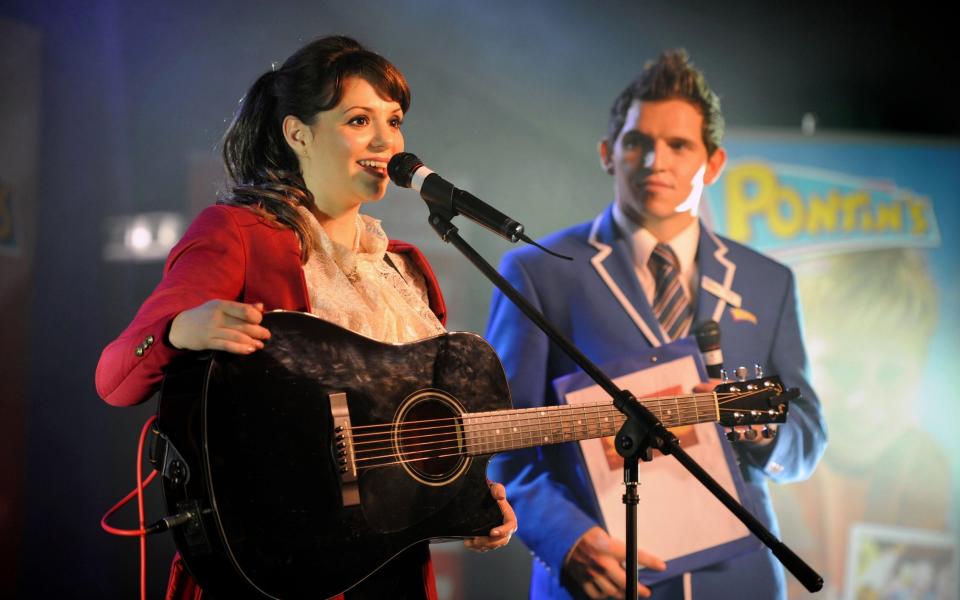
x=642 y=242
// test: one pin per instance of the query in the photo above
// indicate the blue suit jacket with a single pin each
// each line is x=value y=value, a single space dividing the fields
x=596 y=300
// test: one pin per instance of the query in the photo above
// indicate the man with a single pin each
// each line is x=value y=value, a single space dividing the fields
x=620 y=294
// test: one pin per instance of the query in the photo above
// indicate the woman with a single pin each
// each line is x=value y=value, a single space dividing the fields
x=309 y=145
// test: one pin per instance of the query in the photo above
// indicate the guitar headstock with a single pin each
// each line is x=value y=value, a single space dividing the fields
x=754 y=401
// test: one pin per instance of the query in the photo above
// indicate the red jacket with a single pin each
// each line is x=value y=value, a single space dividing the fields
x=228 y=253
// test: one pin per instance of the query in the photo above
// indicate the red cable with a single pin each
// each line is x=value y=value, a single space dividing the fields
x=138 y=492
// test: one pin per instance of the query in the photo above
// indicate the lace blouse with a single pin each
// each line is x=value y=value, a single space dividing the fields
x=356 y=288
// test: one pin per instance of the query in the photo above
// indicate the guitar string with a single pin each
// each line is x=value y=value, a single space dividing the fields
x=687 y=398
x=480 y=435
x=679 y=401
x=459 y=452
x=465 y=443
x=472 y=443
x=406 y=458
x=682 y=407
x=483 y=433
x=477 y=435
x=531 y=413
x=475 y=425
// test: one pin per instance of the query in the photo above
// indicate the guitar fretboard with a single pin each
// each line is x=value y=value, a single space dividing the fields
x=491 y=432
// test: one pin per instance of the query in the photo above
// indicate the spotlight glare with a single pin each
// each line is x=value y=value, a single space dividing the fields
x=141 y=237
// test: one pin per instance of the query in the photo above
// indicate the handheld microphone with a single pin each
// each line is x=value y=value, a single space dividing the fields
x=406 y=170
x=708 y=339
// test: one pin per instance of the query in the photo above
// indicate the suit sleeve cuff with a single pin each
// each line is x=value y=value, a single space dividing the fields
x=564 y=530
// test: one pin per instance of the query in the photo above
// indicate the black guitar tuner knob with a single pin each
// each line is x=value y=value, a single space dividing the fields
x=758 y=371
x=750 y=434
x=768 y=432
x=733 y=435
x=724 y=376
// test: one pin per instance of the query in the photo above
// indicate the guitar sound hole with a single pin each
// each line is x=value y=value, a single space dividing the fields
x=429 y=437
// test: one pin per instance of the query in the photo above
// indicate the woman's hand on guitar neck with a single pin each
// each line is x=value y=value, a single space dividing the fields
x=499 y=535
x=220 y=325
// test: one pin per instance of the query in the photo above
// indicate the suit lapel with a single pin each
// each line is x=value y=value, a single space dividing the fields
x=715 y=289
x=613 y=261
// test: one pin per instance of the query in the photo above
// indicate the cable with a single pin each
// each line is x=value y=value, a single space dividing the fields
x=138 y=492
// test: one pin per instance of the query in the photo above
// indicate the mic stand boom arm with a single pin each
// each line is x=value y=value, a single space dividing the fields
x=641 y=431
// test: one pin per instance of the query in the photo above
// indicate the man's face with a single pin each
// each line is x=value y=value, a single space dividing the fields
x=660 y=164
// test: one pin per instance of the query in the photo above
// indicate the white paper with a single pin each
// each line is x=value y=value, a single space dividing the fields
x=676 y=516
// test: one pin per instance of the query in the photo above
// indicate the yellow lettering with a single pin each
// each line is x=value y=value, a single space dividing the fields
x=918 y=215
x=786 y=219
x=822 y=214
x=751 y=190
x=889 y=217
x=755 y=196
x=852 y=203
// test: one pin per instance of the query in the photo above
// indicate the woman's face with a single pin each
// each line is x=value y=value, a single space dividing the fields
x=344 y=153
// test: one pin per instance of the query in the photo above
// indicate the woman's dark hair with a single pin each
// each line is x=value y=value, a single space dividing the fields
x=263 y=171
x=671 y=76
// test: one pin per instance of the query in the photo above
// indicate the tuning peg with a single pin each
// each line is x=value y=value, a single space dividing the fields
x=750 y=434
x=741 y=373
x=768 y=432
x=733 y=435
x=758 y=371
x=724 y=376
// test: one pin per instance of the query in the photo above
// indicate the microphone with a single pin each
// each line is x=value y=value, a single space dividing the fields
x=708 y=339
x=406 y=170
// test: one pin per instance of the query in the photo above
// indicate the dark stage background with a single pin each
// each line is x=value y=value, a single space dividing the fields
x=114 y=108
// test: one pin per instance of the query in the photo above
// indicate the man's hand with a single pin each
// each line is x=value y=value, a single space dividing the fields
x=220 y=325
x=597 y=560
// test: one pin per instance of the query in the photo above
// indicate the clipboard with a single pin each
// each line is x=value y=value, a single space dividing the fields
x=704 y=532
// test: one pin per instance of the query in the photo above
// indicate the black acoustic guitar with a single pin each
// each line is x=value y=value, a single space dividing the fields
x=300 y=469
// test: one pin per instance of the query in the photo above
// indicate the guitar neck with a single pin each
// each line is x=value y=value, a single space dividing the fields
x=499 y=431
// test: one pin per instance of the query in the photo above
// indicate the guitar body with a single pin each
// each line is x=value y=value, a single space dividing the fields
x=252 y=452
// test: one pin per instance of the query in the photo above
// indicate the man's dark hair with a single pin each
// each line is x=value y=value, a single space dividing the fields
x=671 y=77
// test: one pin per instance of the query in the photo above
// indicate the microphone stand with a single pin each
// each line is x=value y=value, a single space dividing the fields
x=641 y=432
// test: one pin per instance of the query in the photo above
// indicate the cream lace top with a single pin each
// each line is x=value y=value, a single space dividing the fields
x=357 y=289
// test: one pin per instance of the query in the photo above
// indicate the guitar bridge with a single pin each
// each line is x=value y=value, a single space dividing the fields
x=342 y=448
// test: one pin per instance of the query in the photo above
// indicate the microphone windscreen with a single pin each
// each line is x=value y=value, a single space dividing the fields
x=708 y=335
x=401 y=168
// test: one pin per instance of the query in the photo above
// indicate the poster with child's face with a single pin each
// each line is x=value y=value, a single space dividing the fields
x=868 y=227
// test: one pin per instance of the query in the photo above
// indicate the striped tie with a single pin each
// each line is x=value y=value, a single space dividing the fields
x=669 y=300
